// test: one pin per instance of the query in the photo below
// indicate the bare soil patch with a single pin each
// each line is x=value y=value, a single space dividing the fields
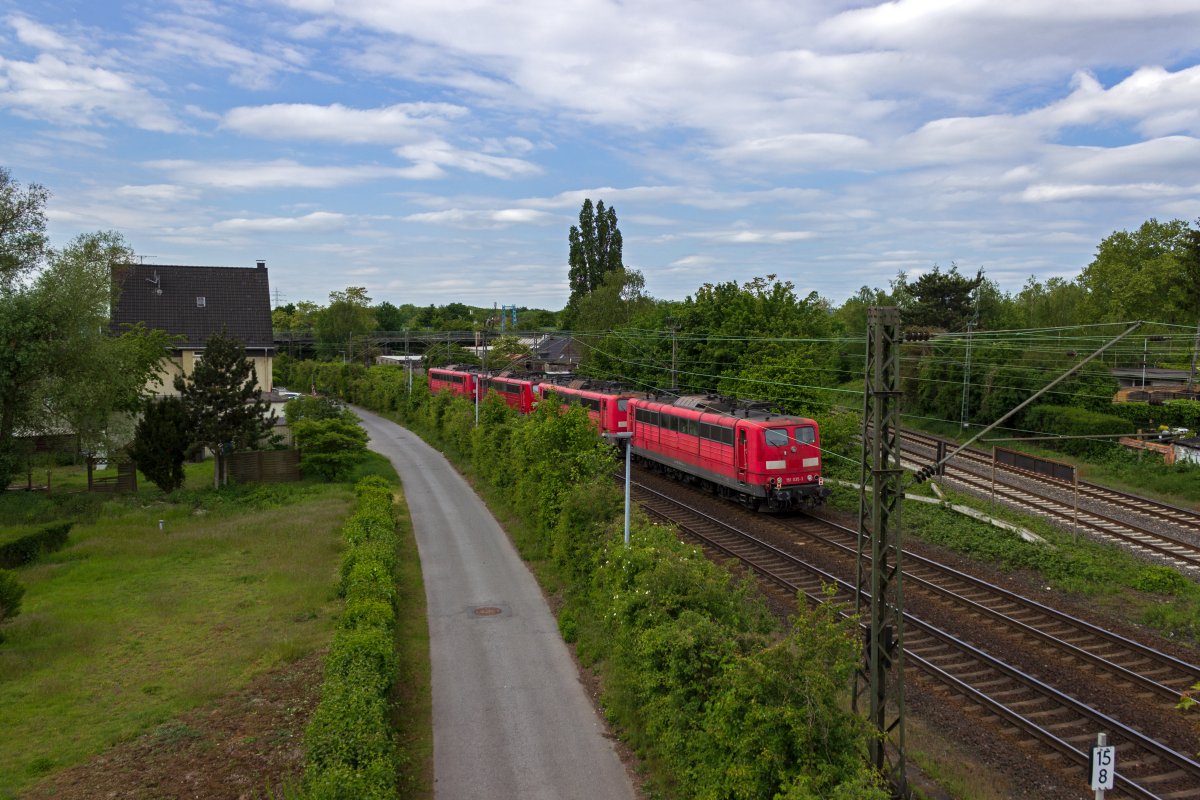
x=247 y=745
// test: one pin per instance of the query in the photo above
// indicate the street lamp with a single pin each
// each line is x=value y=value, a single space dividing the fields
x=624 y=436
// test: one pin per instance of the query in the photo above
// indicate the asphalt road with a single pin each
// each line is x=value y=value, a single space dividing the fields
x=511 y=719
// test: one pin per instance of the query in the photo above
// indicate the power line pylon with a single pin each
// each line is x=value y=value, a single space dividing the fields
x=879 y=587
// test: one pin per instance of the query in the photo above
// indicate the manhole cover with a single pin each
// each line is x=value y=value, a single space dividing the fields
x=487 y=611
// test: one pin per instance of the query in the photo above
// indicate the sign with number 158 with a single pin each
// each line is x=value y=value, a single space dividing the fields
x=1104 y=765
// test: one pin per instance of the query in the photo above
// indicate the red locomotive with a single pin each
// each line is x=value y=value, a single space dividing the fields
x=749 y=454
x=452 y=380
x=606 y=403
x=519 y=393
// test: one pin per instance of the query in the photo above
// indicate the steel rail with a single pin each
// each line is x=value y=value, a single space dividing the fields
x=1176 y=515
x=1131 y=736
x=1185 y=554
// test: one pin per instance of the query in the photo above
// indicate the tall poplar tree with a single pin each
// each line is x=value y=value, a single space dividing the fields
x=595 y=251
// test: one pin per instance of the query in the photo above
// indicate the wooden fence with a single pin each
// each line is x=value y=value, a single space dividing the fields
x=264 y=466
x=124 y=481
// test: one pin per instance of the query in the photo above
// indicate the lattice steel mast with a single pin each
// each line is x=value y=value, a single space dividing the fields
x=879 y=588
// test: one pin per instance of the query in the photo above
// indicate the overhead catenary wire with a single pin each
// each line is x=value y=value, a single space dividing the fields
x=1048 y=342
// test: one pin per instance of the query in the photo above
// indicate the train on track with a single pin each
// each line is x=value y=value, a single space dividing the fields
x=748 y=453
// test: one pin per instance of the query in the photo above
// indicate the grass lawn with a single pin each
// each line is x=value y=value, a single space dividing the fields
x=129 y=625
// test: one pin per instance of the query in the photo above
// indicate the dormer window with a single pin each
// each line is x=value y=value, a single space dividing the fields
x=199 y=302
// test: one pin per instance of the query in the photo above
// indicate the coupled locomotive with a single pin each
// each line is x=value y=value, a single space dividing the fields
x=748 y=453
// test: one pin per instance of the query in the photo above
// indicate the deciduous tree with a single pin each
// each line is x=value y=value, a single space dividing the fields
x=60 y=367
x=1142 y=274
x=348 y=315
x=22 y=228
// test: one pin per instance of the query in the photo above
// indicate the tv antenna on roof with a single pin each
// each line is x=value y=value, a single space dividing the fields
x=142 y=259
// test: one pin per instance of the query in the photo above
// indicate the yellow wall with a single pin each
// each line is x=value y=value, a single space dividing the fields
x=186 y=361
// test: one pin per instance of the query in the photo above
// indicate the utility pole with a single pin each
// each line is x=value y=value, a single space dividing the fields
x=674 y=377
x=1195 y=348
x=967 y=376
x=879 y=595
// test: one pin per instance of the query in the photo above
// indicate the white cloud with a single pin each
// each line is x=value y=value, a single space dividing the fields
x=282 y=173
x=435 y=154
x=318 y=221
x=754 y=237
x=473 y=219
x=803 y=151
x=1043 y=193
x=39 y=37
x=1158 y=101
x=75 y=93
x=400 y=123
x=208 y=42
x=155 y=193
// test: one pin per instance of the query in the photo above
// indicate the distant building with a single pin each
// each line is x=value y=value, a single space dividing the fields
x=195 y=303
x=1151 y=377
x=551 y=353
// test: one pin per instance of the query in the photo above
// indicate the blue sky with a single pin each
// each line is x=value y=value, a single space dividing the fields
x=438 y=151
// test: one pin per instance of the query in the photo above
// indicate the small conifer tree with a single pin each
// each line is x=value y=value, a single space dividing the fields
x=161 y=441
x=223 y=403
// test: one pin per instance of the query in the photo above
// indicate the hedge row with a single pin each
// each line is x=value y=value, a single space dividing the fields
x=1073 y=421
x=1173 y=414
x=32 y=546
x=698 y=676
x=352 y=753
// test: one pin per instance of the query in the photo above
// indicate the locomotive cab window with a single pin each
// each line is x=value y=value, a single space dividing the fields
x=776 y=437
x=806 y=434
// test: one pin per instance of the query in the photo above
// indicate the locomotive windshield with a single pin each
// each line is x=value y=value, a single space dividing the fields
x=776 y=437
x=779 y=437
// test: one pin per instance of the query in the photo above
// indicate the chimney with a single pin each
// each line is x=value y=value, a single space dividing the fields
x=261 y=264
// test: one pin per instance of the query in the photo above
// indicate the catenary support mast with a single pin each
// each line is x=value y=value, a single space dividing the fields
x=879 y=595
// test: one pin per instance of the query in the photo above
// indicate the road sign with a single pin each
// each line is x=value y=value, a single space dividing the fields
x=1104 y=767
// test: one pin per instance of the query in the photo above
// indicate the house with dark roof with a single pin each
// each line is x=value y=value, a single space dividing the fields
x=194 y=303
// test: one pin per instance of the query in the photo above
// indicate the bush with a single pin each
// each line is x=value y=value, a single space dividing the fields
x=31 y=547
x=11 y=592
x=330 y=448
x=308 y=407
x=1072 y=421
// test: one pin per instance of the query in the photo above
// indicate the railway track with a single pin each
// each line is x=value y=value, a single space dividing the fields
x=1031 y=707
x=1166 y=533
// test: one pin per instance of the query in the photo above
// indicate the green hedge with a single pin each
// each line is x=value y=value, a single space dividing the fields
x=1072 y=421
x=1173 y=414
x=32 y=546
x=351 y=745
